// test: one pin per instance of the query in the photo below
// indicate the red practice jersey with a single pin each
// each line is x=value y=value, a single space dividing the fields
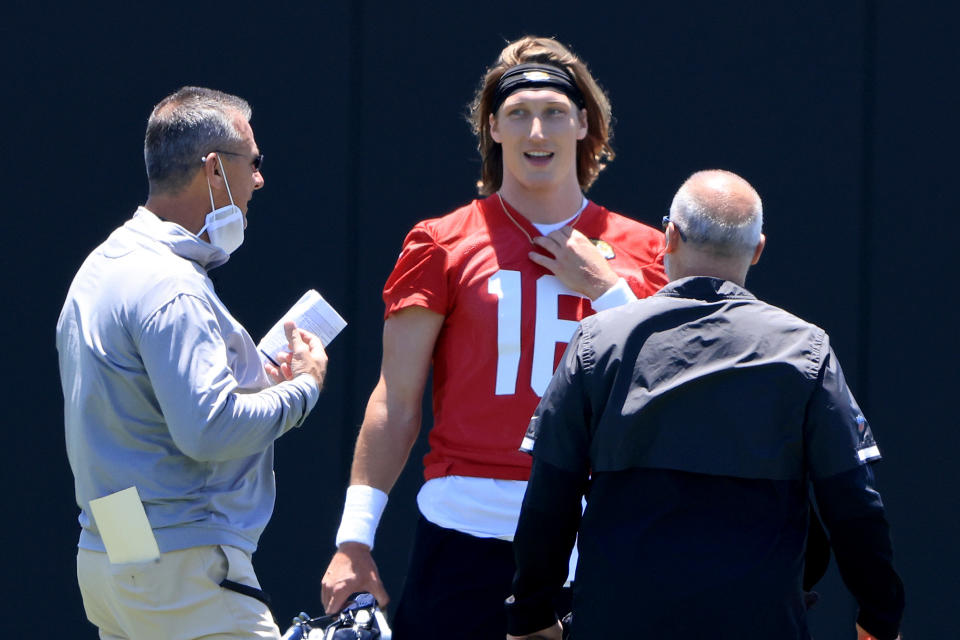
x=507 y=322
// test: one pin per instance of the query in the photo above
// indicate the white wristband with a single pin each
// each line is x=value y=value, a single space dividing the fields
x=361 y=514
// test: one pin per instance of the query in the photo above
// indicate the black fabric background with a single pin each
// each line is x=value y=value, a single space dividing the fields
x=840 y=113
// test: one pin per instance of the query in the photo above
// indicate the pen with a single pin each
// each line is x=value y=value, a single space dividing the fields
x=267 y=356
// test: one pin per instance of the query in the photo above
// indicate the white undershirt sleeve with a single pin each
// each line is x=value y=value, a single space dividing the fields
x=617 y=295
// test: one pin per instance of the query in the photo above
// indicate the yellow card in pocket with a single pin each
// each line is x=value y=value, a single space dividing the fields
x=124 y=527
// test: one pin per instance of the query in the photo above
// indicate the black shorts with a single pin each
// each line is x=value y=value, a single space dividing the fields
x=456 y=586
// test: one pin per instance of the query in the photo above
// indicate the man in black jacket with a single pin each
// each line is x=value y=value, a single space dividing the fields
x=695 y=421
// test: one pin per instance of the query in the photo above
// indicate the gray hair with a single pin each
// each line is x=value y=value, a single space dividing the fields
x=185 y=126
x=721 y=224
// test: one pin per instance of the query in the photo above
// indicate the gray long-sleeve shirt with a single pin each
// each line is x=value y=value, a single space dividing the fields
x=164 y=390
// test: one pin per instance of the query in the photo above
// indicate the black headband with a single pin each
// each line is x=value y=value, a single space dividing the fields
x=536 y=76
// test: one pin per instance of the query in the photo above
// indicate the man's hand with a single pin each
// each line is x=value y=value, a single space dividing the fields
x=351 y=569
x=554 y=632
x=306 y=355
x=576 y=262
x=274 y=372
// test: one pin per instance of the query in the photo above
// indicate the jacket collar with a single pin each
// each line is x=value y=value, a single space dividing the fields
x=705 y=288
x=180 y=241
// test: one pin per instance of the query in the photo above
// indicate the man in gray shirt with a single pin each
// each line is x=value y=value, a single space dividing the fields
x=165 y=391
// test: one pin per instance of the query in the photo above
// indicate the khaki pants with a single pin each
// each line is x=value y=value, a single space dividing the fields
x=177 y=597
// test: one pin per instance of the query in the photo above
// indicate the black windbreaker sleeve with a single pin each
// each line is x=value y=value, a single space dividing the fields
x=545 y=536
x=860 y=536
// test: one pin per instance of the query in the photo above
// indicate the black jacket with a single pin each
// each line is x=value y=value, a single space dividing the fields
x=695 y=421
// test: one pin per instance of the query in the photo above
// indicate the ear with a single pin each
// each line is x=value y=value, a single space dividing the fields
x=494 y=132
x=583 y=124
x=211 y=167
x=673 y=238
x=759 y=249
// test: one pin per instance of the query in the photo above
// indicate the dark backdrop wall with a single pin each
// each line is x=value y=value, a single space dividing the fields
x=840 y=113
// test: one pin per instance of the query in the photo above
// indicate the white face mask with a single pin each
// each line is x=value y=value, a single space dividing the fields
x=224 y=226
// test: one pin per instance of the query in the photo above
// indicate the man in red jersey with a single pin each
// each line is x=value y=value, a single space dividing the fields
x=490 y=295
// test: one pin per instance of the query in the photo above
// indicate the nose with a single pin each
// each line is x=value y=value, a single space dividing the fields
x=536 y=128
x=257 y=180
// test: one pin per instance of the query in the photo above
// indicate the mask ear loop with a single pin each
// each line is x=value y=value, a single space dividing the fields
x=213 y=206
x=225 y=183
x=203 y=160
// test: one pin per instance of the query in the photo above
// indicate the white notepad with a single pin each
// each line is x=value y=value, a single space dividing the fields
x=311 y=312
x=124 y=527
